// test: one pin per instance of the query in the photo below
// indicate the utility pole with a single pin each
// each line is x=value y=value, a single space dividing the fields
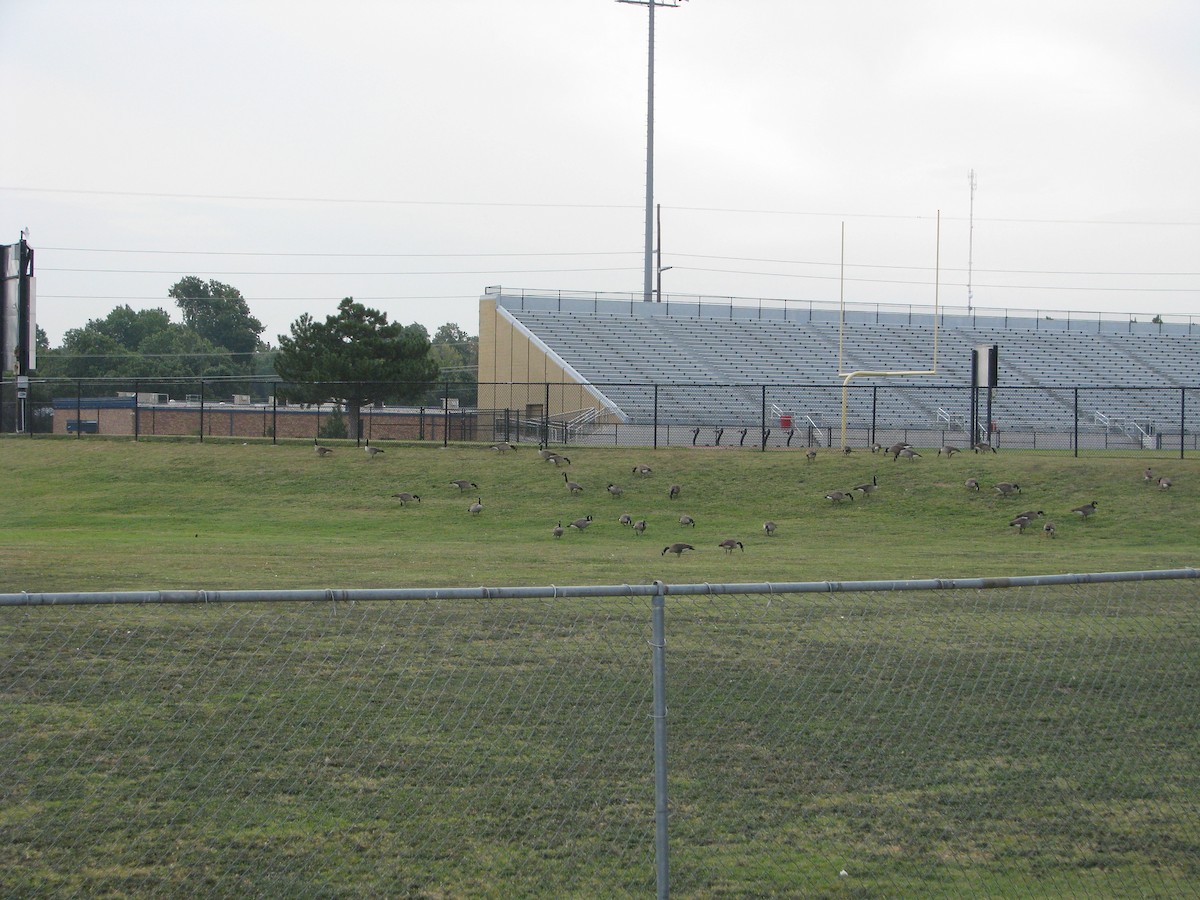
x=648 y=268
x=659 y=267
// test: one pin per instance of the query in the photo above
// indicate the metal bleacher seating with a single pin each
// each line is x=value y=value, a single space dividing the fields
x=714 y=367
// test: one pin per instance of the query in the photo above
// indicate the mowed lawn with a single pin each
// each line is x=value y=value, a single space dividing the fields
x=1031 y=742
x=122 y=515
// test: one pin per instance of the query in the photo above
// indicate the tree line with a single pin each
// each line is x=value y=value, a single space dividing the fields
x=356 y=355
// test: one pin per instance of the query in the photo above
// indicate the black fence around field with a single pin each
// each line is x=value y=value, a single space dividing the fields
x=747 y=416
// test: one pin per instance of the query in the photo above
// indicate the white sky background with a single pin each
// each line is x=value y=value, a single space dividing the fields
x=410 y=153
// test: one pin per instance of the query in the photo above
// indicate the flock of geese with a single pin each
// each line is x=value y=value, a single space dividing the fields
x=1019 y=522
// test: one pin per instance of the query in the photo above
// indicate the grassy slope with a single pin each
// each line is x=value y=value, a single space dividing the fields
x=99 y=515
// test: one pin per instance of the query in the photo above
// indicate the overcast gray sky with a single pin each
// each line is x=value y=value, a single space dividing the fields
x=412 y=153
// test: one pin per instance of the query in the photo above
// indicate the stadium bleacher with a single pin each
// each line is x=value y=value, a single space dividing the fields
x=715 y=359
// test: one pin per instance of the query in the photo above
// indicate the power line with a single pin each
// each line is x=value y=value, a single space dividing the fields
x=502 y=205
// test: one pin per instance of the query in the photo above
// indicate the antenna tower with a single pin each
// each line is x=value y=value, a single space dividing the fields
x=970 y=239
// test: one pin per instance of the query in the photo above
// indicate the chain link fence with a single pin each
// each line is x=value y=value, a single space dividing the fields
x=1025 y=737
x=1083 y=419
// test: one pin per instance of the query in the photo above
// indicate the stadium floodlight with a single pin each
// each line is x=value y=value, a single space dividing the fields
x=648 y=270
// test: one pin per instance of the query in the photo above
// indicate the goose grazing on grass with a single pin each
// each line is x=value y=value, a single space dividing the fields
x=1086 y=510
x=557 y=530
x=730 y=543
x=810 y=454
x=677 y=549
x=1019 y=523
x=580 y=524
x=1007 y=488
x=896 y=448
x=948 y=449
x=983 y=447
x=1164 y=483
x=477 y=507
x=972 y=484
x=644 y=471
x=870 y=488
x=674 y=491
x=625 y=519
x=321 y=450
x=502 y=447
x=687 y=520
x=1148 y=475
x=371 y=452
x=875 y=448
x=573 y=486
x=769 y=528
x=839 y=496
x=405 y=497
x=1048 y=529
x=1031 y=514
x=558 y=460
x=462 y=484
x=908 y=453
x=615 y=489
x=639 y=527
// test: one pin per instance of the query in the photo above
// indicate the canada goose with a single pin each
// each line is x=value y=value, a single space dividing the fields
x=1007 y=487
x=320 y=450
x=677 y=549
x=477 y=507
x=875 y=448
x=1164 y=483
x=580 y=524
x=896 y=448
x=558 y=459
x=639 y=526
x=908 y=453
x=687 y=520
x=625 y=519
x=1148 y=475
x=1048 y=529
x=972 y=484
x=730 y=543
x=983 y=447
x=1031 y=514
x=372 y=452
x=573 y=486
x=949 y=450
x=643 y=470
x=769 y=528
x=462 y=484
x=1086 y=510
x=810 y=454
x=847 y=449
x=866 y=489
x=673 y=493
x=503 y=447
x=839 y=496
x=557 y=530
x=405 y=497
x=1019 y=523
x=615 y=489
x=546 y=453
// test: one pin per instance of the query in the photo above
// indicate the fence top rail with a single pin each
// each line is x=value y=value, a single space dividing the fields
x=318 y=595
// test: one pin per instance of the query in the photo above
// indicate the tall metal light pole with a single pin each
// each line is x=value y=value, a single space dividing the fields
x=648 y=271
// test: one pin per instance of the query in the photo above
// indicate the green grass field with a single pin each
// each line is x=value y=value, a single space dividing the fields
x=118 y=515
x=933 y=744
